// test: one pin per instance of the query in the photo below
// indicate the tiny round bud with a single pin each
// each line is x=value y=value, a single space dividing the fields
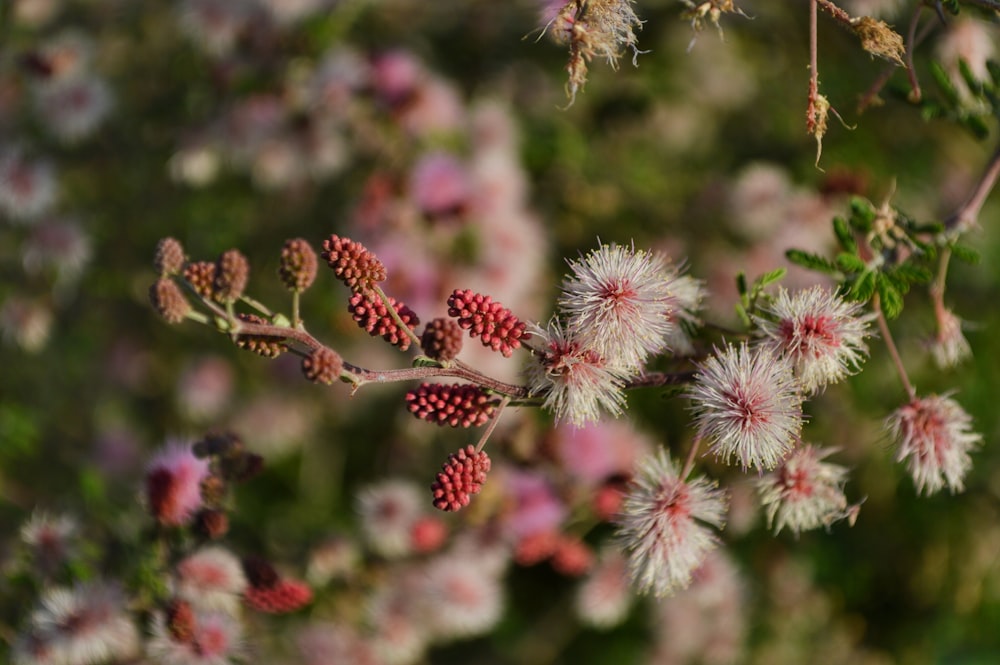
x=213 y=490
x=322 y=366
x=461 y=476
x=262 y=345
x=352 y=263
x=201 y=276
x=572 y=557
x=298 y=265
x=231 y=274
x=169 y=259
x=168 y=300
x=442 y=339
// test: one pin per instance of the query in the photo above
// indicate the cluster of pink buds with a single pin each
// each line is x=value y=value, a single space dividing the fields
x=460 y=477
x=269 y=592
x=458 y=405
x=495 y=325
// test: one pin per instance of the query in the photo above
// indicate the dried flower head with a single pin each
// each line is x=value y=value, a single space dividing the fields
x=618 y=303
x=660 y=528
x=323 y=365
x=819 y=332
x=934 y=436
x=266 y=346
x=460 y=477
x=232 y=271
x=169 y=258
x=804 y=492
x=458 y=405
x=168 y=300
x=352 y=263
x=201 y=276
x=686 y=296
x=183 y=637
x=747 y=403
x=211 y=523
x=297 y=269
x=50 y=539
x=371 y=313
x=441 y=339
x=949 y=346
x=879 y=39
x=575 y=381
x=495 y=325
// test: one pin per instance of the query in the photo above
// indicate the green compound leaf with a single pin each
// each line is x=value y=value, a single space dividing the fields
x=811 y=261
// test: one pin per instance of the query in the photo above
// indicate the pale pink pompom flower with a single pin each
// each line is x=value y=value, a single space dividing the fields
x=84 y=624
x=576 y=382
x=215 y=639
x=604 y=597
x=439 y=185
x=173 y=484
x=686 y=296
x=746 y=403
x=934 y=436
x=949 y=347
x=211 y=578
x=600 y=451
x=618 y=304
x=28 y=188
x=461 y=598
x=805 y=492
x=662 y=525
x=819 y=332
x=387 y=512
x=74 y=108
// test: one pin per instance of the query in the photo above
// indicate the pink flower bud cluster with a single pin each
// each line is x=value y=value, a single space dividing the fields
x=494 y=324
x=460 y=477
x=458 y=405
x=352 y=263
x=371 y=314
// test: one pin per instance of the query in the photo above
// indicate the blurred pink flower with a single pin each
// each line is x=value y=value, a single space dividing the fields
x=173 y=484
x=599 y=451
x=534 y=506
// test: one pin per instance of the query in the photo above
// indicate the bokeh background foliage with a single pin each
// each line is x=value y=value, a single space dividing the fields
x=663 y=154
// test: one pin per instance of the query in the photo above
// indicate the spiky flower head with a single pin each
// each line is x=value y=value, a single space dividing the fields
x=169 y=258
x=618 y=304
x=494 y=325
x=820 y=332
x=458 y=405
x=442 y=339
x=804 y=492
x=460 y=477
x=297 y=269
x=323 y=365
x=168 y=300
x=352 y=263
x=574 y=380
x=371 y=313
x=934 y=436
x=232 y=270
x=747 y=404
x=661 y=525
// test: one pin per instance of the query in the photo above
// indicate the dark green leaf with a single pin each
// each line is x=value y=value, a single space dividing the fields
x=810 y=261
x=862 y=214
x=844 y=235
x=967 y=254
x=976 y=125
x=771 y=277
x=944 y=84
x=914 y=274
x=993 y=67
x=850 y=262
x=741 y=283
x=974 y=84
x=889 y=297
x=863 y=287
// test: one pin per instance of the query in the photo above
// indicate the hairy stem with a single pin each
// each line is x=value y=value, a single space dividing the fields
x=968 y=213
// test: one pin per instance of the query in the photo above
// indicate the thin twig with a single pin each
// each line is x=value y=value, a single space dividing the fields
x=968 y=213
x=692 y=453
x=890 y=344
x=493 y=423
x=911 y=35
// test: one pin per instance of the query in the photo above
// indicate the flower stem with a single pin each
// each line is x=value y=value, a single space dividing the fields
x=890 y=344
